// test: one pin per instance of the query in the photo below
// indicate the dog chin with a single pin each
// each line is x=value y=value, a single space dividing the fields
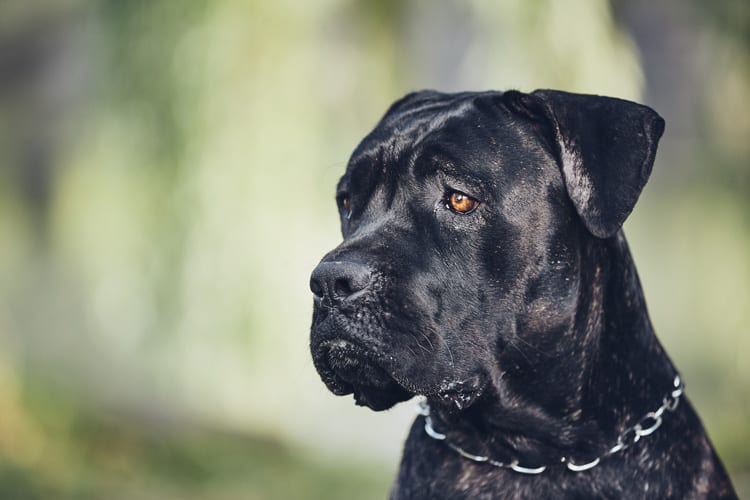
x=349 y=369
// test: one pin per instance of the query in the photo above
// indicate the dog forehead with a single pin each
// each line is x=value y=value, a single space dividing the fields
x=468 y=134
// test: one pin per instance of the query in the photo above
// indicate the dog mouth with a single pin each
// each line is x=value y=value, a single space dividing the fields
x=347 y=368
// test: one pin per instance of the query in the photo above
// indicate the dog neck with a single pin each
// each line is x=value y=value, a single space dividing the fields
x=577 y=400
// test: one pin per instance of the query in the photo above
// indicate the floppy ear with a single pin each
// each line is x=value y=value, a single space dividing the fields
x=605 y=148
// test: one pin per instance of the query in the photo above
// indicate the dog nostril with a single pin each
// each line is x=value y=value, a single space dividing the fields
x=354 y=278
x=342 y=287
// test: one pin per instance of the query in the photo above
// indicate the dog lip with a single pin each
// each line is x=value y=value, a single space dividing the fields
x=337 y=343
x=353 y=364
x=348 y=365
x=345 y=347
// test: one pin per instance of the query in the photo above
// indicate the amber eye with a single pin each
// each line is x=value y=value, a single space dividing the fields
x=346 y=204
x=461 y=203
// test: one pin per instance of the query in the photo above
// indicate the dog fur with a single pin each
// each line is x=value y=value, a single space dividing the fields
x=521 y=320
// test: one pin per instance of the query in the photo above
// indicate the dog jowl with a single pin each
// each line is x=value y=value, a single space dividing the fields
x=483 y=267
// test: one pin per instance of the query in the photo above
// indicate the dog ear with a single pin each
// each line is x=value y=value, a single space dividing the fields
x=605 y=147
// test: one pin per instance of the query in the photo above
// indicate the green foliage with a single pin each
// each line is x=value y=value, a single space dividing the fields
x=93 y=456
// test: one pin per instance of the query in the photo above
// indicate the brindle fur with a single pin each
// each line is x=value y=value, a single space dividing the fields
x=522 y=322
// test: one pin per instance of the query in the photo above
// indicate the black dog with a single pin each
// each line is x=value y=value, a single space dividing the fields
x=483 y=266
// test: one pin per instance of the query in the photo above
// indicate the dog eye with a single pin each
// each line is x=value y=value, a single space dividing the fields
x=461 y=203
x=345 y=204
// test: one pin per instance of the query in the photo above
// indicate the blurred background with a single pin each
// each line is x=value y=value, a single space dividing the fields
x=167 y=171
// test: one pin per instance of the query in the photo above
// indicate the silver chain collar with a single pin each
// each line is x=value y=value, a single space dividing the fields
x=646 y=426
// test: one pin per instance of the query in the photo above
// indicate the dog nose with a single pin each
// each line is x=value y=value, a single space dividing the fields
x=338 y=281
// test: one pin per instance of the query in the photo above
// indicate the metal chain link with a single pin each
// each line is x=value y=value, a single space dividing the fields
x=647 y=425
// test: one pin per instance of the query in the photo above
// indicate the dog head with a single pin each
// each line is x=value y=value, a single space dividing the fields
x=463 y=217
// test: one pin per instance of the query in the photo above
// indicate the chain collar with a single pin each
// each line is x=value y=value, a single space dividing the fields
x=645 y=426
